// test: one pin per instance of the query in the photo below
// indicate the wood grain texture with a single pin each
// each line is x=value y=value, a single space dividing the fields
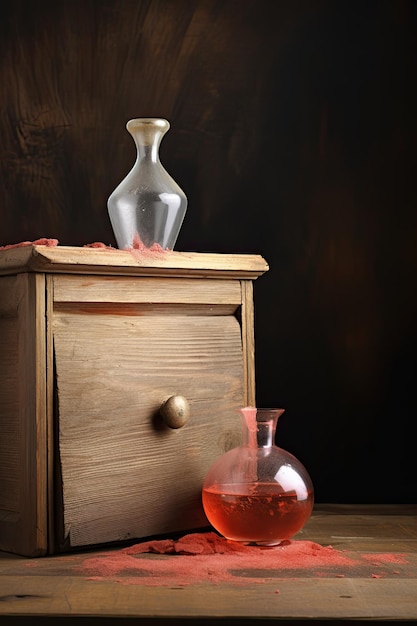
x=52 y=491
x=90 y=360
x=23 y=415
x=98 y=261
x=10 y=431
x=248 y=339
x=85 y=69
x=122 y=475
x=55 y=586
x=293 y=133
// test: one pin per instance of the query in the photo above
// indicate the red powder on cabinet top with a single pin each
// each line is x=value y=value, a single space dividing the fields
x=203 y=557
x=38 y=242
x=139 y=250
x=99 y=244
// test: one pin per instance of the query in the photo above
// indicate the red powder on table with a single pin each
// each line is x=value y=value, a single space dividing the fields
x=207 y=557
x=378 y=559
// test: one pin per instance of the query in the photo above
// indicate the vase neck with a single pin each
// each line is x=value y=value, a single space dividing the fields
x=259 y=426
x=147 y=133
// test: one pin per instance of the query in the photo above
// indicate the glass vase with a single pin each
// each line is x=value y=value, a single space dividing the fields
x=148 y=207
x=258 y=493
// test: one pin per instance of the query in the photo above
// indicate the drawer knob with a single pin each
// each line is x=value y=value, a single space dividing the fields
x=175 y=411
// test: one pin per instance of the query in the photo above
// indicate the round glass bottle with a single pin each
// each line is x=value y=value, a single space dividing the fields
x=148 y=207
x=258 y=493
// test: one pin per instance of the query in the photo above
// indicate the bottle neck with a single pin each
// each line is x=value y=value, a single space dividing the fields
x=259 y=426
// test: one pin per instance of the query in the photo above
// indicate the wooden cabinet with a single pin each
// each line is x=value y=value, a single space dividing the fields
x=94 y=343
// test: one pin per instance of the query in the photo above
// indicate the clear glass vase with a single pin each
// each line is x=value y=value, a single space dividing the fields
x=148 y=207
x=258 y=493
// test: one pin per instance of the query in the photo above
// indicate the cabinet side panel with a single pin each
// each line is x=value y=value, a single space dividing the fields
x=10 y=450
x=248 y=338
x=23 y=527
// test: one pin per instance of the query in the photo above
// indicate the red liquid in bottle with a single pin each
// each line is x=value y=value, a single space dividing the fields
x=256 y=513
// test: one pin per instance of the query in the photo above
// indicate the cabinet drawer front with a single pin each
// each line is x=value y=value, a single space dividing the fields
x=116 y=289
x=124 y=474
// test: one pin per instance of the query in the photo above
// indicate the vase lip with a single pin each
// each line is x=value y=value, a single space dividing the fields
x=151 y=121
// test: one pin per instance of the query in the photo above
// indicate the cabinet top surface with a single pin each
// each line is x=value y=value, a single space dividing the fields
x=111 y=261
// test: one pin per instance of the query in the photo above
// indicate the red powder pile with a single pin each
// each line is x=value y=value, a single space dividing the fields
x=203 y=557
x=139 y=245
x=139 y=250
x=99 y=244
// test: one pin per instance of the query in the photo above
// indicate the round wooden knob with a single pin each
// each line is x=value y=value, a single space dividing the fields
x=175 y=411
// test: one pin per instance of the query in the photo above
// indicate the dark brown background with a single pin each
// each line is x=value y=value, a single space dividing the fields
x=293 y=134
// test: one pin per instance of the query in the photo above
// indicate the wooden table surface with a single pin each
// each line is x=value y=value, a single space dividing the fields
x=382 y=540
